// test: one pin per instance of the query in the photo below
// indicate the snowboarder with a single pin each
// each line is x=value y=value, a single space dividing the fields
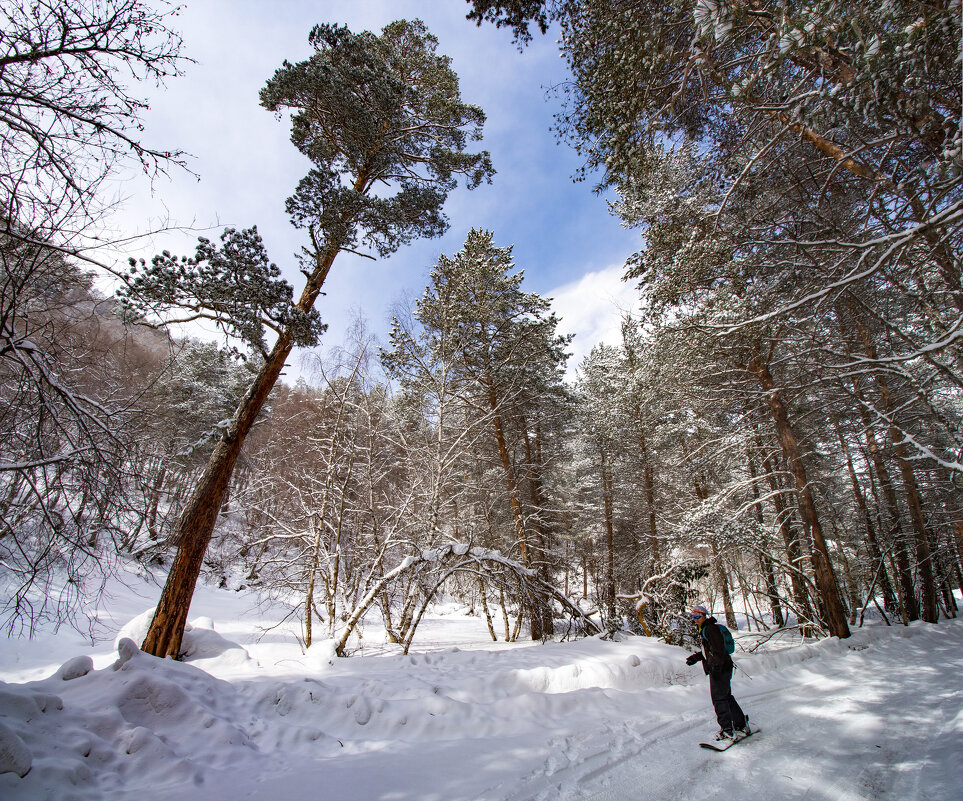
x=718 y=665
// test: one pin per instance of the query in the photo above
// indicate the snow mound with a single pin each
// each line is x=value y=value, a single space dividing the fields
x=163 y=721
x=203 y=644
x=126 y=650
x=75 y=668
x=321 y=655
x=136 y=628
x=494 y=721
x=200 y=645
x=14 y=755
x=22 y=710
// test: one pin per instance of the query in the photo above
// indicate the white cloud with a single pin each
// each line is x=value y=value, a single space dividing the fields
x=592 y=308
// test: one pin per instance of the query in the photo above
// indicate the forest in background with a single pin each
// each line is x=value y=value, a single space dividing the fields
x=778 y=432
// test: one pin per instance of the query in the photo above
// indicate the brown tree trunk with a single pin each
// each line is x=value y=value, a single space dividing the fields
x=509 y=473
x=907 y=596
x=196 y=523
x=649 y=482
x=889 y=596
x=832 y=603
x=765 y=560
x=850 y=586
x=772 y=589
x=722 y=577
x=534 y=615
x=800 y=590
x=609 y=537
x=924 y=564
x=702 y=493
x=533 y=456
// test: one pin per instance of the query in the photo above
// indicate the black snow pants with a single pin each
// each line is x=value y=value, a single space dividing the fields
x=728 y=712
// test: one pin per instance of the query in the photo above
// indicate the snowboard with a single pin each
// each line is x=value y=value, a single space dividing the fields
x=725 y=746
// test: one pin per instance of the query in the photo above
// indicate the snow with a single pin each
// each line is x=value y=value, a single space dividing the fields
x=248 y=715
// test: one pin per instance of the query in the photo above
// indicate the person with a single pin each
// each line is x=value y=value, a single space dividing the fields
x=718 y=665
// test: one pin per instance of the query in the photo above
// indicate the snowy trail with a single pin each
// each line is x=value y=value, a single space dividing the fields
x=872 y=724
x=878 y=717
x=855 y=725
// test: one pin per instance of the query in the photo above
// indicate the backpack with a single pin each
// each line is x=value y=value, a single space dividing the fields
x=727 y=639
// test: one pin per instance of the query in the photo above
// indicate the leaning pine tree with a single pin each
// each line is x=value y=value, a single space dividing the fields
x=367 y=110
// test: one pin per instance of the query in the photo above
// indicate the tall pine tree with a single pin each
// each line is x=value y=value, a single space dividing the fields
x=368 y=111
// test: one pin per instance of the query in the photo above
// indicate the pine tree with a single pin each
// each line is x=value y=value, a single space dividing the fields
x=368 y=110
x=505 y=359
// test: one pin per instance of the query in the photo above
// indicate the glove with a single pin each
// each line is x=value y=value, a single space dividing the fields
x=693 y=658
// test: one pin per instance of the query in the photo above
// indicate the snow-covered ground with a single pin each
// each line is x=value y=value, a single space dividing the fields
x=248 y=716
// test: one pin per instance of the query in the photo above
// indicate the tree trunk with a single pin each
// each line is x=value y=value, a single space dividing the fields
x=765 y=560
x=488 y=615
x=501 y=600
x=772 y=590
x=800 y=592
x=957 y=536
x=534 y=615
x=924 y=561
x=567 y=549
x=196 y=523
x=309 y=594
x=702 y=493
x=924 y=564
x=509 y=474
x=517 y=628
x=723 y=578
x=609 y=538
x=889 y=596
x=649 y=483
x=850 y=585
x=822 y=565
x=909 y=606
x=533 y=457
x=155 y=494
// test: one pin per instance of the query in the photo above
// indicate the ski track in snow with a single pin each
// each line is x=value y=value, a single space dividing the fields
x=878 y=717
x=888 y=711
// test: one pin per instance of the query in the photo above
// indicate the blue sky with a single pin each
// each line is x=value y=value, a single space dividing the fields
x=564 y=238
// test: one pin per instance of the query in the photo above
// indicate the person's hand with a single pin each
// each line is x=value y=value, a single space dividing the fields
x=693 y=658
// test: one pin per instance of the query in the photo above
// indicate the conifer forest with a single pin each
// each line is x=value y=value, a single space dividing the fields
x=779 y=430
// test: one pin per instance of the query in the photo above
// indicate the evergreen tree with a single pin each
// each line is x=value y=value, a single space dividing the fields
x=602 y=423
x=506 y=361
x=368 y=111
